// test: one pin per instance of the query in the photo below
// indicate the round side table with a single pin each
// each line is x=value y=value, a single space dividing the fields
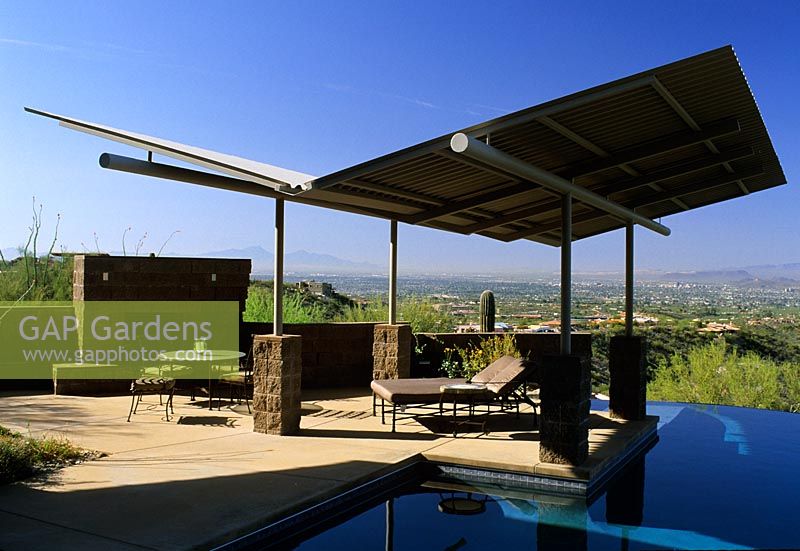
x=465 y=393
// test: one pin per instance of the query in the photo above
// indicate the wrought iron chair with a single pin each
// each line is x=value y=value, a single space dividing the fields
x=152 y=385
x=241 y=381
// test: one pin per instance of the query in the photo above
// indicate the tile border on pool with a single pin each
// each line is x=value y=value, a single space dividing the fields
x=514 y=480
x=551 y=483
x=327 y=510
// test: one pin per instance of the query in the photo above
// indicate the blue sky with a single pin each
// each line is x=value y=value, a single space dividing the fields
x=318 y=86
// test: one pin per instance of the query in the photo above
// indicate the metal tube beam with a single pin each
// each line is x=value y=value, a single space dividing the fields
x=189 y=176
x=207 y=179
x=605 y=190
x=566 y=274
x=393 y=272
x=641 y=201
x=461 y=143
x=629 y=280
x=277 y=319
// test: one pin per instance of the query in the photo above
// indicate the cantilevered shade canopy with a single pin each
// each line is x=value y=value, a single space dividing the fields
x=273 y=176
x=667 y=140
x=670 y=139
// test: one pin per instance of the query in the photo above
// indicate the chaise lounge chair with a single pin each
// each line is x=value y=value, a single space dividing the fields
x=504 y=378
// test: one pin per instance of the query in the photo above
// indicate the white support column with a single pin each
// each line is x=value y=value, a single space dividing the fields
x=566 y=274
x=629 y=280
x=277 y=318
x=393 y=273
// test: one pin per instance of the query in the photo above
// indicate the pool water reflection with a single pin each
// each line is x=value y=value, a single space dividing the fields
x=719 y=478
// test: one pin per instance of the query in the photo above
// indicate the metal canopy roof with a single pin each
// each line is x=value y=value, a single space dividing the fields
x=273 y=176
x=663 y=141
x=670 y=139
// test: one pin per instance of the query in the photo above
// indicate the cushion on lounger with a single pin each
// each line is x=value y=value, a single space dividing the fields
x=490 y=371
x=412 y=391
x=510 y=376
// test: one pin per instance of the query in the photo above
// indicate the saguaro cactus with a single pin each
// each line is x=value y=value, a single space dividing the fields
x=487 y=312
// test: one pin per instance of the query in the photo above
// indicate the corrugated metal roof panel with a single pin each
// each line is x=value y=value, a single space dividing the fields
x=707 y=89
x=680 y=119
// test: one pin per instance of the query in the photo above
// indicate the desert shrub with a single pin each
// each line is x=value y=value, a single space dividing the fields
x=790 y=386
x=779 y=342
x=719 y=374
x=422 y=315
x=34 y=276
x=21 y=457
x=53 y=282
x=259 y=307
x=450 y=364
x=474 y=359
x=372 y=310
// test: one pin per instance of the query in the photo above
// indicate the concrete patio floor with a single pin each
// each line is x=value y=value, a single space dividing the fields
x=205 y=477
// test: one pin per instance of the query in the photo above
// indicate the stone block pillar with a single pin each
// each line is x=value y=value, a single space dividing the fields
x=628 y=384
x=276 y=380
x=391 y=351
x=565 y=400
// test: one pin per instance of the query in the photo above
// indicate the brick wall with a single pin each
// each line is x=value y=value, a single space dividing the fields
x=340 y=354
x=333 y=354
x=103 y=277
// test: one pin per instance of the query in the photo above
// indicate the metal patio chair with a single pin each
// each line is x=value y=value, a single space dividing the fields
x=152 y=385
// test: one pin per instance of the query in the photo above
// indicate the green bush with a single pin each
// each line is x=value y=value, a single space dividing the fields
x=372 y=310
x=259 y=307
x=718 y=374
x=53 y=279
x=423 y=315
x=475 y=359
x=790 y=384
x=33 y=276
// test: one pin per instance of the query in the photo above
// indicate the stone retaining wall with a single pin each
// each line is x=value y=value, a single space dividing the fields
x=333 y=354
x=103 y=277
x=128 y=278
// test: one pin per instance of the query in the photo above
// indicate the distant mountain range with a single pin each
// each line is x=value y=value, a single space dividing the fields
x=297 y=261
x=766 y=275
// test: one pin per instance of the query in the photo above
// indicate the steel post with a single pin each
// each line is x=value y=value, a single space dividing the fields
x=277 y=319
x=566 y=274
x=393 y=273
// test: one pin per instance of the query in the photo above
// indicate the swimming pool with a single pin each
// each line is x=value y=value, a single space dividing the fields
x=719 y=477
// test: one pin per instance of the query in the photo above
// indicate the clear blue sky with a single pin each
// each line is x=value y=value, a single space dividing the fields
x=318 y=86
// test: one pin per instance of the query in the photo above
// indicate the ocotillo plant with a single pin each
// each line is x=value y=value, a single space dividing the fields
x=487 y=312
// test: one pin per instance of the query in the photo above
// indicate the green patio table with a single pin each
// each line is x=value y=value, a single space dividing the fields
x=212 y=358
